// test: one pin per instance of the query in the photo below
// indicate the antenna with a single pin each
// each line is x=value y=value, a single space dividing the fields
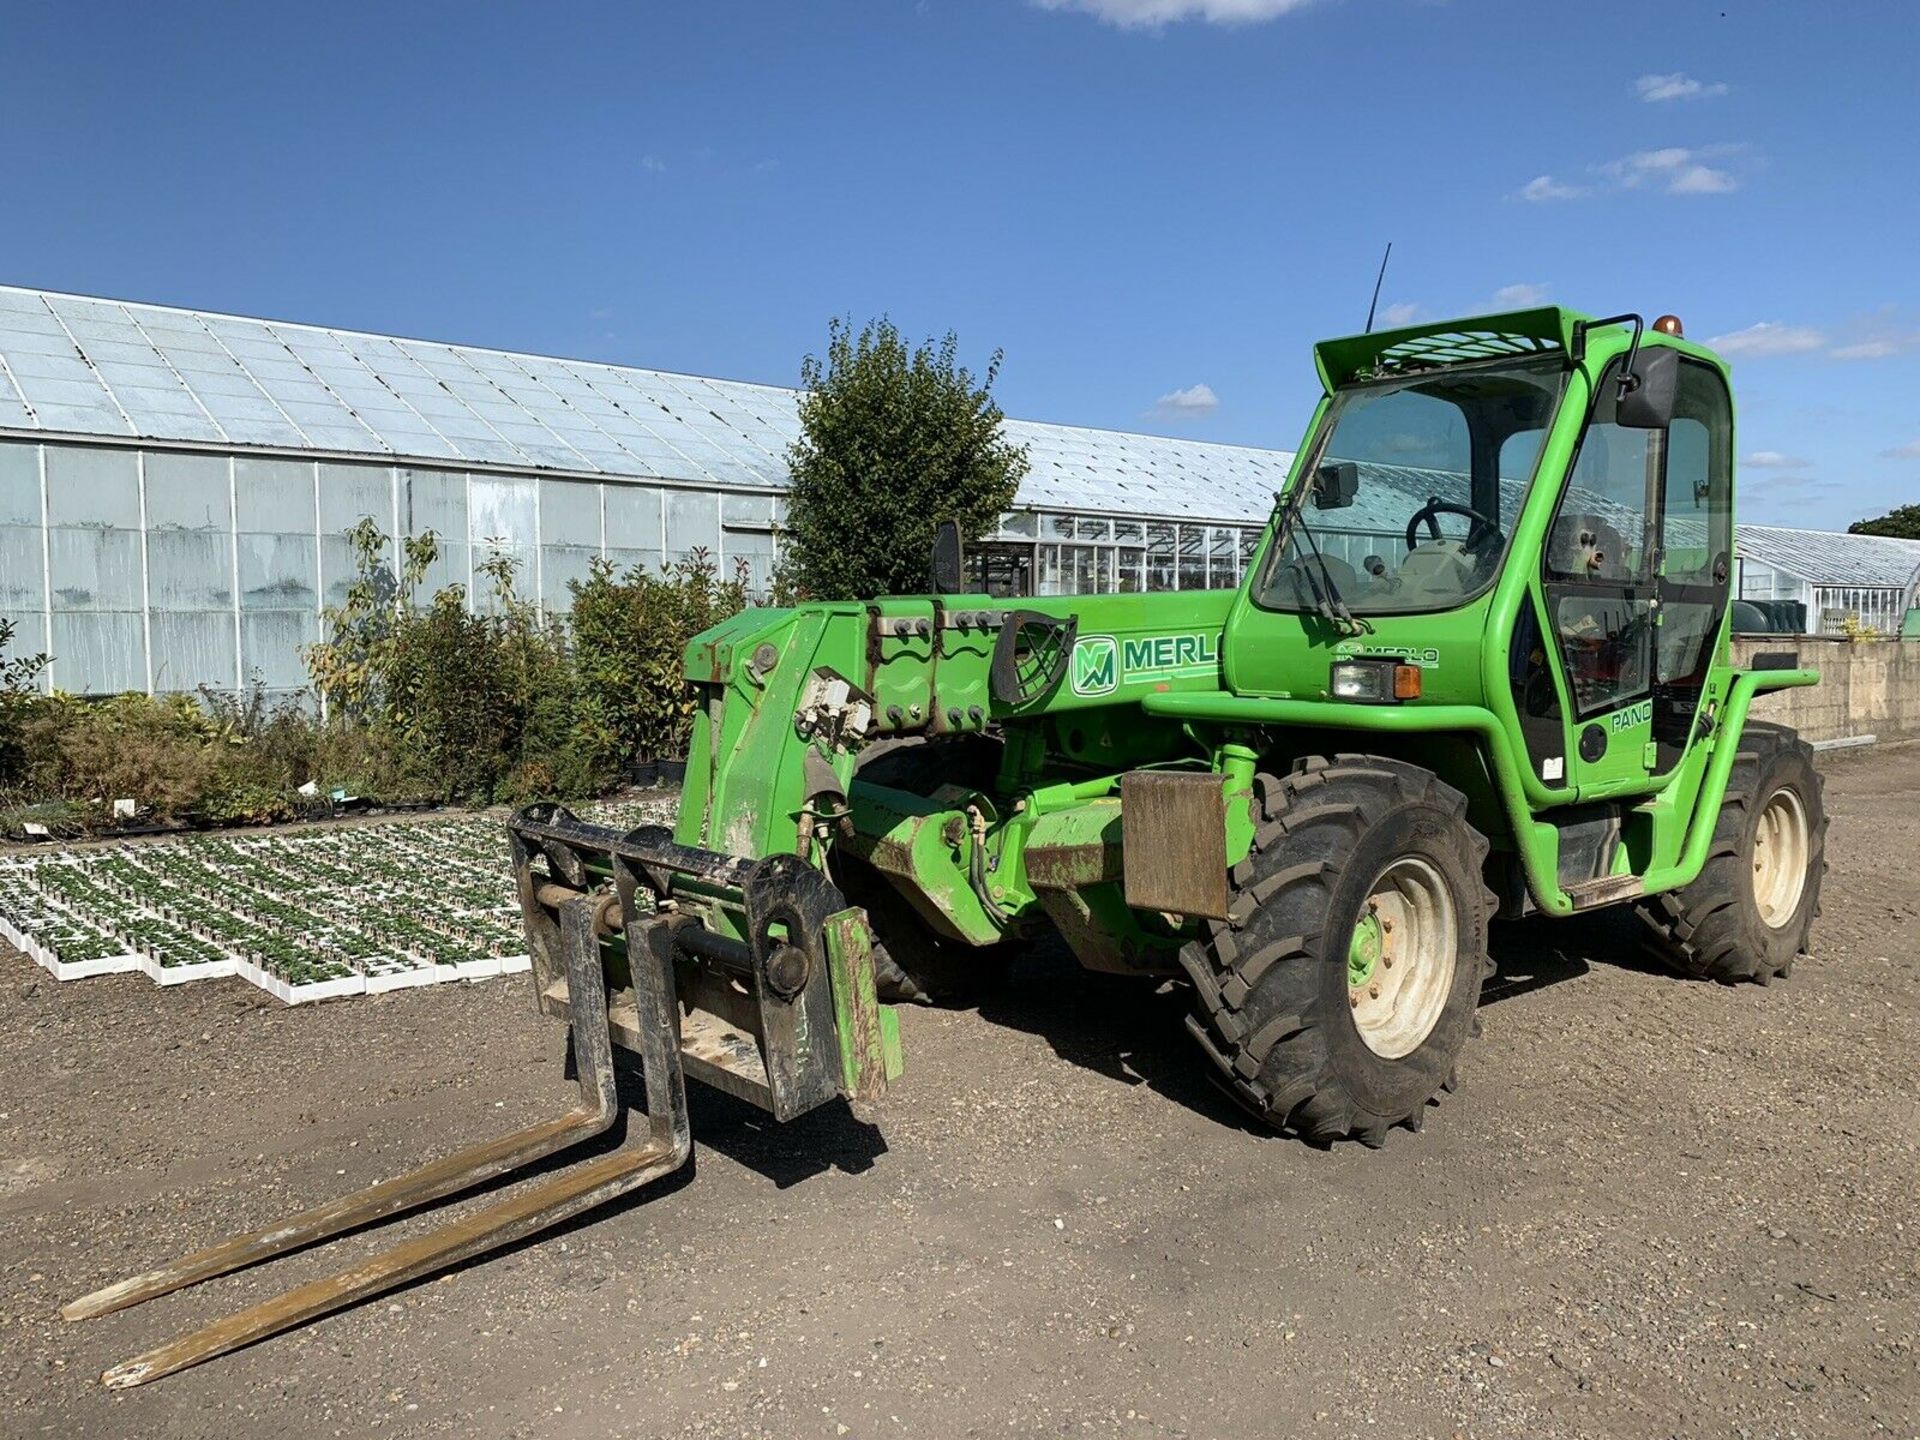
x=1377 y=280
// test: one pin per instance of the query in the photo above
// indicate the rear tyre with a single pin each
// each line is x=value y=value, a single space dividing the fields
x=1336 y=998
x=1749 y=913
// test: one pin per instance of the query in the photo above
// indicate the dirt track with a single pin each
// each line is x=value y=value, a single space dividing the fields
x=1652 y=1209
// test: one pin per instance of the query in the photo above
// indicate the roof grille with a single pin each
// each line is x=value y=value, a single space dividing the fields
x=1455 y=347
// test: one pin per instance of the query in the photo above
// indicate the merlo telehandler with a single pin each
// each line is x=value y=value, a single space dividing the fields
x=1478 y=664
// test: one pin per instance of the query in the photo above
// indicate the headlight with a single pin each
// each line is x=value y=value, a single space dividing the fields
x=1374 y=682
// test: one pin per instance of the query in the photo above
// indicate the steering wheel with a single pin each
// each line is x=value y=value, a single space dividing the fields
x=1479 y=529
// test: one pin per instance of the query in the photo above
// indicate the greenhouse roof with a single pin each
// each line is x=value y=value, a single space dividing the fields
x=1824 y=557
x=82 y=367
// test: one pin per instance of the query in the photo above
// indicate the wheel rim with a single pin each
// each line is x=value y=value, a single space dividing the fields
x=1780 y=849
x=1401 y=958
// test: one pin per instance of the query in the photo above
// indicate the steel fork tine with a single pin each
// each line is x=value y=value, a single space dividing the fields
x=460 y=1171
x=664 y=1149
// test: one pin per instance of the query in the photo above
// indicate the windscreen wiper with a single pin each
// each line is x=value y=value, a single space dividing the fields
x=1327 y=602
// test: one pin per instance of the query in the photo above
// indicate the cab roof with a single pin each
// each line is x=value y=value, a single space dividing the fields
x=1413 y=348
x=1516 y=334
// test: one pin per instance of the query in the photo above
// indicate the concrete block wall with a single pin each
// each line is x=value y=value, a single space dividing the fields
x=1868 y=688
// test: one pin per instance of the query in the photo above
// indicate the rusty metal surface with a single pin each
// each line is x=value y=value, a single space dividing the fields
x=1072 y=867
x=1176 y=842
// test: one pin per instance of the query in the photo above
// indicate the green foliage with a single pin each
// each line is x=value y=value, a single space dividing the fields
x=629 y=634
x=159 y=752
x=892 y=440
x=505 y=705
x=1902 y=522
x=19 y=678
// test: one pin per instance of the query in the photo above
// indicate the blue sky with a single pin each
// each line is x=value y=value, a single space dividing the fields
x=1153 y=206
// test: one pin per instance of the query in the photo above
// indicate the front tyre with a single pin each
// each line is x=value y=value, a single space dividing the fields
x=1337 y=996
x=1751 y=909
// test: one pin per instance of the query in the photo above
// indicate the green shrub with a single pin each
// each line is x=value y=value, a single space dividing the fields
x=629 y=634
x=157 y=751
x=19 y=693
x=892 y=440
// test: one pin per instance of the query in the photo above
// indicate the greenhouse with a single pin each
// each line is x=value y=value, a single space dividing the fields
x=176 y=485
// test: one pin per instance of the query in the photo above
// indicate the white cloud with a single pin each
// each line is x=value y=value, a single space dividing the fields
x=1680 y=170
x=1769 y=337
x=1544 y=187
x=1152 y=14
x=1908 y=451
x=1702 y=180
x=1677 y=86
x=653 y=164
x=1520 y=297
x=1188 y=404
x=1396 y=315
x=1774 y=460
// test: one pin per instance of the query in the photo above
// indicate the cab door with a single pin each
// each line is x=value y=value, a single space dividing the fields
x=1599 y=587
x=1634 y=585
x=1695 y=557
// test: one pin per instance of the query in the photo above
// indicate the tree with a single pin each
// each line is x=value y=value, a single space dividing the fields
x=1903 y=523
x=892 y=440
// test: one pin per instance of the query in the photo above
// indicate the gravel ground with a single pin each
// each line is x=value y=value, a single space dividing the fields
x=1652 y=1209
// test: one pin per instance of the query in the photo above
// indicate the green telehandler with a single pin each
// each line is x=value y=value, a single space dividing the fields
x=1478 y=664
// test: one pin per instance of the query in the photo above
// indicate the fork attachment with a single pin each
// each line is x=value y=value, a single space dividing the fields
x=784 y=1017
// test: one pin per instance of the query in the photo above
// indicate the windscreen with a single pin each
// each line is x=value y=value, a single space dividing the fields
x=1440 y=468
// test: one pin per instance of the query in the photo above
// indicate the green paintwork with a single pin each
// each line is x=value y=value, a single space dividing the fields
x=1205 y=680
x=1364 y=950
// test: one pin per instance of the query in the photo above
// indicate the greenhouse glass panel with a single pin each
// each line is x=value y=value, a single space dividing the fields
x=756 y=549
x=190 y=570
x=278 y=572
x=29 y=636
x=350 y=493
x=570 y=514
x=436 y=501
x=751 y=511
x=560 y=564
x=1085 y=574
x=1092 y=528
x=1223 y=571
x=98 y=654
x=93 y=487
x=633 y=518
x=693 y=521
x=1021 y=524
x=273 y=496
x=1161 y=541
x=191 y=650
x=1193 y=558
x=1047 y=579
x=505 y=509
x=270 y=645
x=95 y=569
x=19 y=484
x=626 y=559
x=23 y=575
x=189 y=492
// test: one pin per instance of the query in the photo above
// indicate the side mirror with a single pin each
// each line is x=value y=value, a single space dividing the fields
x=1335 y=484
x=949 y=559
x=1647 y=391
